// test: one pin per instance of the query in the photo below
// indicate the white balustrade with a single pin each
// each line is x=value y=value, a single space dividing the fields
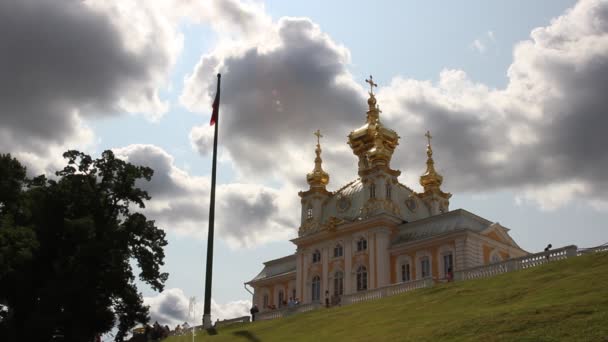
x=284 y=312
x=386 y=291
x=510 y=265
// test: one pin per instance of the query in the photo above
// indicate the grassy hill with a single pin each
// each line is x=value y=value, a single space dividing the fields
x=562 y=301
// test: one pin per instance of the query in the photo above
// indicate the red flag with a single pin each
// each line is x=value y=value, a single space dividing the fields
x=216 y=103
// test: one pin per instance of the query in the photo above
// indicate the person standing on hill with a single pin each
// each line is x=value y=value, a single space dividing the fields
x=254 y=310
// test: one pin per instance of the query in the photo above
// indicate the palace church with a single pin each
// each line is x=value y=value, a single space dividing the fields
x=374 y=231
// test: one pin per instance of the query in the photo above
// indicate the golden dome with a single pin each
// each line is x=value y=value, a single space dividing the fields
x=431 y=180
x=318 y=177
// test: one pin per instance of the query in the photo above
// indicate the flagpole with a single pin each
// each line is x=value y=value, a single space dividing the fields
x=209 y=270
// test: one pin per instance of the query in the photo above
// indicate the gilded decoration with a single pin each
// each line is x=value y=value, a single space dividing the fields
x=343 y=204
x=373 y=143
x=411 y=203
x=376 y=205
x=431 y=180
x=318 y=178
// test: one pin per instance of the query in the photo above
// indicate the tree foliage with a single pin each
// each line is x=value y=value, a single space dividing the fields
x=67 y=246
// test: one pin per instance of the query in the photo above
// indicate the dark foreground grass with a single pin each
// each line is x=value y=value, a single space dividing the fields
x=562 y=301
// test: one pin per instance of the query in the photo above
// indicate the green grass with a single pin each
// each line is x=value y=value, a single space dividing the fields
x=561 y=301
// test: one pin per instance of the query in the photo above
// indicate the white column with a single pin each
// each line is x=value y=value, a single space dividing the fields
x=371 y=248
x=348 y=259
x=304 y=293
x=383 y=260
x=298 y=274
x=325 y=270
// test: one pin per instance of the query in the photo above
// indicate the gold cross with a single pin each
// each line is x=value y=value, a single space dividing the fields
x=428 y=136
x=319 y=136
x=371 y=84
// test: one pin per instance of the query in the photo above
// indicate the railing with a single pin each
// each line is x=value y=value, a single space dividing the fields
x=510 y=265
x=602 y=248
x=272 y=314
x=242 y=319
x=386 y=291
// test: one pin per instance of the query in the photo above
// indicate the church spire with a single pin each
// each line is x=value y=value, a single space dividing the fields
x=431 y=182
x=373 y=113
x=318 y=178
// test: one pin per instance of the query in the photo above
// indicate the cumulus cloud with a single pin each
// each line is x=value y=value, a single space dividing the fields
x=66 y=61
x=542 y=135
x=274 y=96
x=172 y=307
x=246 y=214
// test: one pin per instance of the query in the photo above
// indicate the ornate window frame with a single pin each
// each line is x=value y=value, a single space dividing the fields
x=446 y=250
x=419 y=258
x=403 y=260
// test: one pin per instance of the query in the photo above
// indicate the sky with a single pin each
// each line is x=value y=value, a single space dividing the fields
x=513 y=93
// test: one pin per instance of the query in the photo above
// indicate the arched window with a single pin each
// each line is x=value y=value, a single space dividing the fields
x=448 y=264
x=281 y=298
x=425 y=267
x=405 y=272
x=316 y=289
x=388 y=191
x=495 y=258
x=338 y=283
x=309 y=212
x=316 y=256
x=372 y=190
x=361 y=244
x=338 y=251
x=265 y=303
x=361 y=278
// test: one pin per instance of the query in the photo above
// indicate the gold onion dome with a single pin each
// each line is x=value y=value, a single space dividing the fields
x=318 y=177
x=431 y=180
x=373 y=143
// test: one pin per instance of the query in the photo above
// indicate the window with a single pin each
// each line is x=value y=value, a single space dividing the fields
x=425 y=267
x=388 y=191
x=361 y=278
x=495 y=258
x=372 y=190
x=316 y=256
x=338 y=283
x=309 y=213
x=281 y=298
x=361 y=244
x=316 y=289
x=405 y=272
x=293 y=294
x=338 y=251
x=265 y=300
x=448 y=264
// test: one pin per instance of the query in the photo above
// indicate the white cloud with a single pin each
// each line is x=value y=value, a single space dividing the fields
x=172 y=307
x=246 y=214
x=66 y=61
x=478 y=45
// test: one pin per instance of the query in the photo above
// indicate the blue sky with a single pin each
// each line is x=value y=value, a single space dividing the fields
x=442 y=66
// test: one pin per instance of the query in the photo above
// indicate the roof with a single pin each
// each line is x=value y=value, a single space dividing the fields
x=276 y=267
x=452 y=221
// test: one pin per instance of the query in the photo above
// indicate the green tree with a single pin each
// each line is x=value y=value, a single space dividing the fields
x=66 y=247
